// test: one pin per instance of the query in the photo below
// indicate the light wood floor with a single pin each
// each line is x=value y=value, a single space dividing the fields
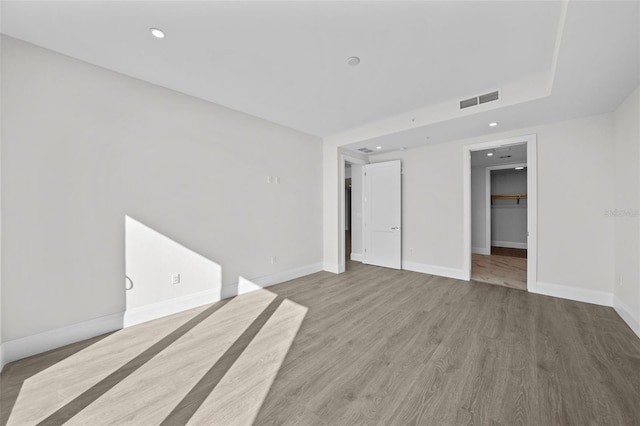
x=370 y=346
x=506 y=271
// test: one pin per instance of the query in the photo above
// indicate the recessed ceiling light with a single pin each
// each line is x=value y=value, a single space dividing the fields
x=519 y=168
x=494 y=124
x=489 y=154
x=353 y=61
x=157 y=33
x=378 y=147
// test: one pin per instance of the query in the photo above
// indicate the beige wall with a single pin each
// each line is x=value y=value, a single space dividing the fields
x=626 y=209
x=575 y=181
x=84 y=147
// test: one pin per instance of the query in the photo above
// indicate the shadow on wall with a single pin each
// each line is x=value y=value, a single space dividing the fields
x=222 y=357
x=164 y=277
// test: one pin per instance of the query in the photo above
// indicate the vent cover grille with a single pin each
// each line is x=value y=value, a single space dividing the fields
x=480 y=99
x=489 y=97
x=365 y=150
x=469 y=103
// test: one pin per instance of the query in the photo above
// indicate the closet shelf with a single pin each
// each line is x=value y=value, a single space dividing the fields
x=508 y=197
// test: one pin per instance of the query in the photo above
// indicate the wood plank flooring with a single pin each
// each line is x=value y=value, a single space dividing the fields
x=370 y=346
x=505 y=271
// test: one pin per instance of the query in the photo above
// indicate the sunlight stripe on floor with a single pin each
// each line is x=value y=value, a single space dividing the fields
x=237 y=398
x=149 y=394
x=52 y=388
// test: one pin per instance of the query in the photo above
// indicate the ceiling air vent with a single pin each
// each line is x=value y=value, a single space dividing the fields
x=480 y=99
x=489 y=97
x=365 y=150
x=469 y=103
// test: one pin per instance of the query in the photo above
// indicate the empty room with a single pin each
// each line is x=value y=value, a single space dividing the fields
x=319 y=212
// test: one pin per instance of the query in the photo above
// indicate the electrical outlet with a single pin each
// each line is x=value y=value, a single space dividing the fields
x=273 y=260
x=175 y=279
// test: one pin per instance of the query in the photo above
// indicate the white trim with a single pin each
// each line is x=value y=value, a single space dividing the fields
x=532 y=202
x=508 y=244
x=291 y=274
x=52 y=339
x=356 y=256
x=441 y=271
x=247 y=285
x=596 y=297
x=481 y=250
x=344 y=158
x=1 y=357
x=334 y=268
x=487 y=207
x=169 y=307
x=627 y=315
x=532 y=213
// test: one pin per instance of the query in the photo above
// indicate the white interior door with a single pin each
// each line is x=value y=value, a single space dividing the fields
x=382 y=212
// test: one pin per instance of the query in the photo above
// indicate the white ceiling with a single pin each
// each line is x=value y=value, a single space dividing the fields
x=286 y=61
x=512 y=154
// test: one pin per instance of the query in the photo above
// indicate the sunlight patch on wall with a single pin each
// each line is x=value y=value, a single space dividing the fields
x=159 y=269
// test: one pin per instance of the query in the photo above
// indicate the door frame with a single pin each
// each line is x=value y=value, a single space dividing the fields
x=487 y=203
x=344 y=158
x=532 y=203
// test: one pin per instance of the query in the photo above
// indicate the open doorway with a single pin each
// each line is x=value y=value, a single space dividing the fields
x=351 y=219
x=347 y=211
x=500 y=212
x=499 y=216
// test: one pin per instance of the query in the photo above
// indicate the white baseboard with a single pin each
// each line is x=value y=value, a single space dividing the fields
x=595 y=297
x=14 y=350
x=169 y=307
x=246 y=285
x=356 y=256
x=441 y=271
x=291 y=274
x=508 y=244
x=331 y=267
x=481 y=250
x=627 y=315
x=229 y=290
x=42 y=342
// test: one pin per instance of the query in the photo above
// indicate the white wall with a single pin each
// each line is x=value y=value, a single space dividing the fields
x=356 y=212
x=575 y=169
x=509 y=216
x=625 y=212
x=2 y=362
x=479 y=238
x=84 y=147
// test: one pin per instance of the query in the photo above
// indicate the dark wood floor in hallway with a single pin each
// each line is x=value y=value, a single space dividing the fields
x=370 y=346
